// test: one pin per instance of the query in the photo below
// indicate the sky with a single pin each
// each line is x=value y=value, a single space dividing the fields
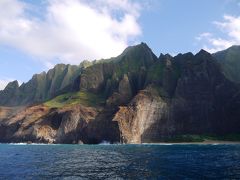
x=35 y=35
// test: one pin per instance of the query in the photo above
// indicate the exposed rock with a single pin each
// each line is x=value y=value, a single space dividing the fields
x=144 y=110
x=143 y=99
x=123 y=95
x=12 y=86
x=92 y=78
x=67 y=125
x=11 y=90
x=6 y=112
x=41 y=87
x=229 y=60
x=125 y=87
x=201 y=104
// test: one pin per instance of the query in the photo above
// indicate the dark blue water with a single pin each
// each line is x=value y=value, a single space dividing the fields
x=119 y=161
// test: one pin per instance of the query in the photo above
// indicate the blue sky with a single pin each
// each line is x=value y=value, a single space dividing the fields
x=36 y=35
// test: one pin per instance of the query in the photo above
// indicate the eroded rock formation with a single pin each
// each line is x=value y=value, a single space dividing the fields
x=143 y=99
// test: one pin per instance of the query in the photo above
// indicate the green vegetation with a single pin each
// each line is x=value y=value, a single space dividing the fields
x=133 y=59
x=155 y=72
x=230 y=62
x=126 y=66
x=185 y=138
x=81 y=97
x=202 y=138
x=164 y=78
x=228 y=137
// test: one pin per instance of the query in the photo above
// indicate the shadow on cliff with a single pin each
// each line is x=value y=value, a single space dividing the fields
x=101 y=129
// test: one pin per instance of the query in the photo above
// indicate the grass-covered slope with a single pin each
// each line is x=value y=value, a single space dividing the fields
x=168 y=98
x=81 y=97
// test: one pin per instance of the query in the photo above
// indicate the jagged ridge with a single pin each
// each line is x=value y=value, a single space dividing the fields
x=143 y=99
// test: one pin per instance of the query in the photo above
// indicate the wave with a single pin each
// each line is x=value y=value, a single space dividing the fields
x=28 y=144
x=164 y=144
x=17 y=143
x=105 y=143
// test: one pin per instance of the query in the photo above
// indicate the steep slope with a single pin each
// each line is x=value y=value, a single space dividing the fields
x=133 y=98
x=200 y=100
x=41 y=87
x=230 y=62
x=10 y=91
x=97 y=76
x=126 y=72
x=70 y=118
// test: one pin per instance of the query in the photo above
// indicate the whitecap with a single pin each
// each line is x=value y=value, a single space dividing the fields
x=105 y=143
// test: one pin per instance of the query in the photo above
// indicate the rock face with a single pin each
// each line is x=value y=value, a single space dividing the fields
x=41 y=87
x=229 y=60
x=143 y=99
x=106 y=76
x=10 y=91
x=67 y=125
x=201 y=103
x=132 y=118
x=125 y=88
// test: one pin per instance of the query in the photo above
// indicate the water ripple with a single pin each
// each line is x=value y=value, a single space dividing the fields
x=119 y=162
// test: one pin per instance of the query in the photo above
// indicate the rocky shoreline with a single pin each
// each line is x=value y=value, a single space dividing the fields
x=134 y=98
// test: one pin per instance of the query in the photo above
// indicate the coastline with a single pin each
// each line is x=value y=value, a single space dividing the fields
x=206 y=142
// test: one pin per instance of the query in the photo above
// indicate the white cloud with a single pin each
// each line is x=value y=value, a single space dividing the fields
x=230 y=26
x=71 y=30
x=203 y=35
x=4 y=82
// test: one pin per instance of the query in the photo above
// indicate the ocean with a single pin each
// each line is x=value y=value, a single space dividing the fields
x=165 y=161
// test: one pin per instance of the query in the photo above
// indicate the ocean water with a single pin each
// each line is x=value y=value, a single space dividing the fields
x=119 y=161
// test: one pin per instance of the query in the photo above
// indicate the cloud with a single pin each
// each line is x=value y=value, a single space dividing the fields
x=4 y=82
x=70 y=31
x=230 y=27
x=203 y=35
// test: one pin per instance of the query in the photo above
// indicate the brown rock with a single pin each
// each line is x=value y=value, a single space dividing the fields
x=145 y=109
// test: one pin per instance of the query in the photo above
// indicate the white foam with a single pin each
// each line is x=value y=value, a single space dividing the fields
x=105 y=143
x=164 y=144
x=42 y=144
x=17 y=143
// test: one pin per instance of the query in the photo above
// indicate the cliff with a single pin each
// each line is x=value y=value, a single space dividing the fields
x=41 y=87
x=75 y=124
x=203 y=102
x=229 y=60
x=133 y=98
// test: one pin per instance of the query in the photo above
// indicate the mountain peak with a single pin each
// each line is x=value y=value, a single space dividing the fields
x=230 y=61
x=140 y=52
x=144 y=44
x=232 y=49
x=12 y=85
x=165 y=56
x=203 y=52
x=236 y=47
x=141 y=46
